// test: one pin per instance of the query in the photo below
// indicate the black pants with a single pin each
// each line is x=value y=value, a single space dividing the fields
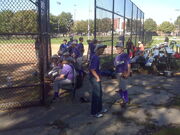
x=96 y=102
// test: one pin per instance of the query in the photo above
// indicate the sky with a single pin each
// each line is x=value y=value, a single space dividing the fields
x=158 y=10
x=78 y=8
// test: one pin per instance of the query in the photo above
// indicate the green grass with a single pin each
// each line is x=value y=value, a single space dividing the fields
x=60 y=40
x=168 y=131
x=160 y=39
x=155 y=40
x=17 y=41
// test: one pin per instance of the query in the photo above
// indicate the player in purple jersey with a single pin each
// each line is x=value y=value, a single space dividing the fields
x=95 y=80
x=123 y=68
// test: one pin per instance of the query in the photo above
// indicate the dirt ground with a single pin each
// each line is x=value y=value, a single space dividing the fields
x=154 y=105
x=55 y=48
x=17 y=69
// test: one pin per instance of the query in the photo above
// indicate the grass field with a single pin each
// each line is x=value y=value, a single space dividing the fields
x=160 y=39
x=59 y=40
x=18 y=60
x=168 y=131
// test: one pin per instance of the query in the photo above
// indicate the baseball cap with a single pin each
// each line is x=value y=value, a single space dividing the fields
x=60 y=52
x=139 y=42
x=99 y=46
x=74 y=42
x=55 y=56
x=66 y=53
x=120 y=44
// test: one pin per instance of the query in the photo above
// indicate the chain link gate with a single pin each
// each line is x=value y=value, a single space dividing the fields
x=116 y=20
x=24 y=52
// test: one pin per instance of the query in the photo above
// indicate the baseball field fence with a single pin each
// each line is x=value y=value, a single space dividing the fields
x=24 y=52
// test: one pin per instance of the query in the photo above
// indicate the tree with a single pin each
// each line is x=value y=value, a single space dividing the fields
x=6 y=18
x=65 y=22
x=25 y=21
x=177 y=23
x=104 y=25
x=167 y=27
x=150 y=25
x=81 y=27
x=53 y=23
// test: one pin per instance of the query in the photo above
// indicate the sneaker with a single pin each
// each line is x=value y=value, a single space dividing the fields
x=124 y=105
x=104 y=110
x=56 y=95
x=84 y=100
x=120 y=101
x=98 y=115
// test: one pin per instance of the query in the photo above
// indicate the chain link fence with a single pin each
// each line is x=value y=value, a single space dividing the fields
x=118 y=19
x=23 y=52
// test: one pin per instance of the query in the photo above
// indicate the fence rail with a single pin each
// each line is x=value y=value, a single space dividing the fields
x=24 y=52
x=116 y=19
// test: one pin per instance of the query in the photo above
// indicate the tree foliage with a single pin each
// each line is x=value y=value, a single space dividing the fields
x=65 y=22
x=26 y=21
x=104 y=25
x=150 y=25
x=18 y=22
x=166 y=27
x=82 y=26
x=177 y=22
x=6 y=25
x=53 y=23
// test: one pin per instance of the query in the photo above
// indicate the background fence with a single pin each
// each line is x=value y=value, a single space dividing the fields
x=116 y=19
x=24 y=52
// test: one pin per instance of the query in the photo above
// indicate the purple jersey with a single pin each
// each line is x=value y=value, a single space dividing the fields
x=80 y=47
x=121 y=62
x=67 y=70
x=91 y=48
x=63 y=47
x=75 y=52
x=69 y=43
x=94 y=64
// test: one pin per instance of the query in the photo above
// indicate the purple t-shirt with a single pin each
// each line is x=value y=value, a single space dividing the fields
x=94 y=64
x=75 y=51
x=91 y=48
x=80 y=47
x=63 y=47
x=67 y=70
x=121 y=62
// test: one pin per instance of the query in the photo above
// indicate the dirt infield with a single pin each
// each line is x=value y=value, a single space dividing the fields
x=18 y=65
x=55 y=48
x=17 y=61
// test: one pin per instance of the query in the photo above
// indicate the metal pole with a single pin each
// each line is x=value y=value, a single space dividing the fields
x=41 y=63
x=131 y=20
x=58 y=26
x=89 y=22
x=39 y=17
x=95 y=19
x=140 y=27
x=124 y=21
x=136 y=26
x=75 y=12
x=49 y=38
x=46 y=32
x=112 y=44
x=59 y=3
x=143 y=27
